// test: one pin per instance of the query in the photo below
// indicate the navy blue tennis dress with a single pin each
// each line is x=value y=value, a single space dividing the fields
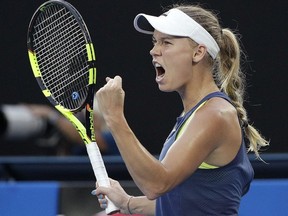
x=209 y=190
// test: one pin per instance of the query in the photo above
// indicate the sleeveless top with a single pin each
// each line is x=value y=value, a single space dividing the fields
x=209 y=190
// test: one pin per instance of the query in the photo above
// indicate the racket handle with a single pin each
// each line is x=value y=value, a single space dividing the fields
x=100 y=173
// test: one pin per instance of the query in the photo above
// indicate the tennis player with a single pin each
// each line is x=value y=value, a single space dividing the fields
x=203 y=167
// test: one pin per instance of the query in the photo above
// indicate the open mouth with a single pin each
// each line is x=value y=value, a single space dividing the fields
x=160 y=71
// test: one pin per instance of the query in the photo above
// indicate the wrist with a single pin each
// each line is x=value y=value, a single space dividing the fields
x=128 y=205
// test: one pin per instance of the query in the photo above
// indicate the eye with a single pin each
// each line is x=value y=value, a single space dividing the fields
x=167 y=42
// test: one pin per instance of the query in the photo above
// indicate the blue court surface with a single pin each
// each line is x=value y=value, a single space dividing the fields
x=29 y=198
x=266 y=198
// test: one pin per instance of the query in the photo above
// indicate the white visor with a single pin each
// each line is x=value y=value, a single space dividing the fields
x=177 y=23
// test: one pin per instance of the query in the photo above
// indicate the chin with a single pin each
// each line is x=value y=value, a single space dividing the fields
x=163 y=89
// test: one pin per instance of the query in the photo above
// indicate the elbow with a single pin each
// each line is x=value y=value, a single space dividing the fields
x=161 y=184
x=154 y=192
x=152 y=196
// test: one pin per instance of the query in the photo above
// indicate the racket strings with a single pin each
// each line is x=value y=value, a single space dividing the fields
x=58 y=91
x=46 y=50
x=52 y=51
x=60 y=46
x=57 y=64
x=58 y=41
x=64 y=53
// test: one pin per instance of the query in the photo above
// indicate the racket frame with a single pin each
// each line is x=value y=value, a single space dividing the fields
x=87 y=133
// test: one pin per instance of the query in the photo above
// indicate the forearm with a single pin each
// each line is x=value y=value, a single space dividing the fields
x=144 y=168
x=148 y=173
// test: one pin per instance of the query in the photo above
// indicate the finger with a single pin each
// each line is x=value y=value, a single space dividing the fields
x=101 y=199
x=101 y=196
x=107 y=79
x=103 y=203
x=118 y=80
x=102 y=190
x=103 y=206
x=93 y=192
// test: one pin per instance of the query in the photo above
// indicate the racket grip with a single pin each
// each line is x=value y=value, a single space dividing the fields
x=100 y=173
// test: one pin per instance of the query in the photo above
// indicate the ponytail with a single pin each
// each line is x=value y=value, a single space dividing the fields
x=232 y=81
x=226 y=69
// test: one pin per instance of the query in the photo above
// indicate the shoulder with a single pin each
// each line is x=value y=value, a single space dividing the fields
x=217 y=109
x=220 y=122
x=217 y=118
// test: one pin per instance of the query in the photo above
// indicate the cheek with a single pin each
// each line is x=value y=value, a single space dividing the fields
x=182 y=69
x=182 y=61
x=179 y=59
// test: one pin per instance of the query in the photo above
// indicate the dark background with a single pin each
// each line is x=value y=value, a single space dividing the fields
x=121 y=50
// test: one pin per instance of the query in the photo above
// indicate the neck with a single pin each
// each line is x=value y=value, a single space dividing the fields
x=193 y=94
x=190 y=103
x=200 y=84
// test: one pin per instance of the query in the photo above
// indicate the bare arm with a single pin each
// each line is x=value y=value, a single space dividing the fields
x=153 y=177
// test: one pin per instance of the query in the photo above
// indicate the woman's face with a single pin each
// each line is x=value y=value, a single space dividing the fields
x=172 y=59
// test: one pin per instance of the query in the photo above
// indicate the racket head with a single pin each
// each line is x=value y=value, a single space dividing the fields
x=62 y=55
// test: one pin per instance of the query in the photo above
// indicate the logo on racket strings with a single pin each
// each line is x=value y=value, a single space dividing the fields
x=75 y=96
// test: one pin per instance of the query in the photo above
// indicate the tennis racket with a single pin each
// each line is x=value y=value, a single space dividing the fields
x=62 y=58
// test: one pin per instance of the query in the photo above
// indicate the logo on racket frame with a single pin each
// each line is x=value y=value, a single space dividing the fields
x=75 y=95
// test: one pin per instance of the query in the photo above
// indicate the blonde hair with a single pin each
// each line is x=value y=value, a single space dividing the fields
x=226 y=69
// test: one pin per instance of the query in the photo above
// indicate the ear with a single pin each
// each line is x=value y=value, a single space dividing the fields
x=199 y=53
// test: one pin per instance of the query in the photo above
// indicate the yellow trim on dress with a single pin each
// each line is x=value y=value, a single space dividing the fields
x=204 y=165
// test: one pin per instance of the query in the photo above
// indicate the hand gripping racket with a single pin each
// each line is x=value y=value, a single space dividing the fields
x=62 y=58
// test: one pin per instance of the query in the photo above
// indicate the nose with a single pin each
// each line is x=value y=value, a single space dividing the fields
x=155 y=50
